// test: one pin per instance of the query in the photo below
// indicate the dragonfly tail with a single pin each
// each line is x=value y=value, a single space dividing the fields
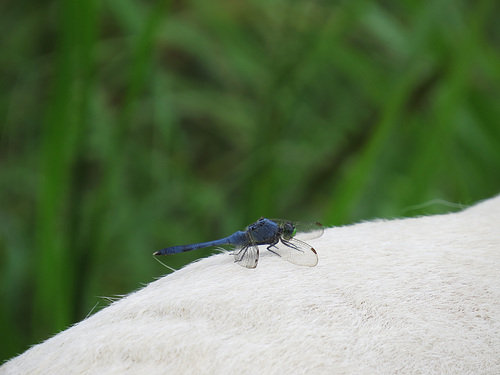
x=184 y=248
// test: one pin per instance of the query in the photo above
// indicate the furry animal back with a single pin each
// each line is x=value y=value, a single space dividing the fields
x=417 y=295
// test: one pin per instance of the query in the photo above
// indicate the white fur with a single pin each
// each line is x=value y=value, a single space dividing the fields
x=419 y=296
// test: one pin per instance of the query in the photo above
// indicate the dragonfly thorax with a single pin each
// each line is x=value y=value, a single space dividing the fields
x=263 y=231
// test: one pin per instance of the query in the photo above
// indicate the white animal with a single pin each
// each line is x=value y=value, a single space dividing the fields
x=411 y=296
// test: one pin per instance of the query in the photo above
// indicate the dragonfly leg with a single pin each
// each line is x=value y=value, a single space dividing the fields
x=275 y=253
x=273 y=244
x=237 y=251
x=290 y=244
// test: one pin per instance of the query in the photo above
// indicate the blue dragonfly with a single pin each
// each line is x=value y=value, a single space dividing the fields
x=283 y=237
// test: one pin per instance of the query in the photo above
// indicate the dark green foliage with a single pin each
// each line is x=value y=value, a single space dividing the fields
x=127 y=126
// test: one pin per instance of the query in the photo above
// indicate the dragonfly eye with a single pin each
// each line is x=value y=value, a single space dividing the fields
x=289 y=230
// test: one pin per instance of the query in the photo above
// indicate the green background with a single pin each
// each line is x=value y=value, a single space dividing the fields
x=127 y=126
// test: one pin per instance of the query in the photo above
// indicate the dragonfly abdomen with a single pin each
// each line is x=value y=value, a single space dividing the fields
x=235 y=238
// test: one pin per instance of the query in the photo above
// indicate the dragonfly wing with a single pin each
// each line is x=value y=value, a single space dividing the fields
x=296 y=252
x=306 y=230
x=246 y=256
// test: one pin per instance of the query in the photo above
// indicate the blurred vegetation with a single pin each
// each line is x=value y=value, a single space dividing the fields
x=127 y=126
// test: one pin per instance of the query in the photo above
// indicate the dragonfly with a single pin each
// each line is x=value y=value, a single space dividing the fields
x=283 y=238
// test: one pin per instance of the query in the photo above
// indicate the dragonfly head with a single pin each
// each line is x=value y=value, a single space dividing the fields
x=289 y=231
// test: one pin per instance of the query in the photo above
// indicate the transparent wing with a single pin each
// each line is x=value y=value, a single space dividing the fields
x=296 y=252
x=246 y=256
x=306 y=230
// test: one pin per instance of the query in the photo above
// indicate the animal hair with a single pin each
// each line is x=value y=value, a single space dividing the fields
x=410 y=296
